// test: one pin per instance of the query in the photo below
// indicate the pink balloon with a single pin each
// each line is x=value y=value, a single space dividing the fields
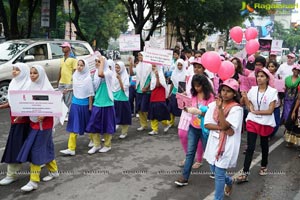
x=211 y=60
x=236 y=33
x=226 y=70
x=252 y=46
x=251 y=33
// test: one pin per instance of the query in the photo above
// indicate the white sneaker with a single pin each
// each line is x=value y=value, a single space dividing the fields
x=91 y=143
x=68 y=152
x=105 y=149
x=153 y=133
x=94 y=150
x=123 y=135
x=117 y=126
x=167 y=128
x=7 y=180
x=141 y=128
x=29 y=186
x=51 y=176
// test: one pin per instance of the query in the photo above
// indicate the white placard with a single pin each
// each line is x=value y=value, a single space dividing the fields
x=35 y=103
x=276 y=45
x=158 y=56
x=130 y=42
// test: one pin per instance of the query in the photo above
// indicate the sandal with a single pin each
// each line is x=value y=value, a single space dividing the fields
x=263 y=171
x=227 y=190
x=181 y=163
x=197 y=165
x=241 y=179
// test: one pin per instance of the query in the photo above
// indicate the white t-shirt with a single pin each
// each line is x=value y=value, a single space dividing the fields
x=232 y=146
x=284 y=71
x=262 y=103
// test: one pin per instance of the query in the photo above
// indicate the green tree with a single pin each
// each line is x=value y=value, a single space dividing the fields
x=195 y=19
x=102 y=19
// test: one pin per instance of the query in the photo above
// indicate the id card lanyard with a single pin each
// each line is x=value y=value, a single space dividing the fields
x=259 y=103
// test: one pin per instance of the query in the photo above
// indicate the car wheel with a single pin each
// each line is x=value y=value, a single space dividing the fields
x=3 y=92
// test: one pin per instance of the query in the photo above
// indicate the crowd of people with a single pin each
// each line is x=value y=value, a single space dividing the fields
x=209 y=128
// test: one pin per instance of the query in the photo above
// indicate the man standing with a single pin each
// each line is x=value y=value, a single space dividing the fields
x=285 y=69
x=68 y=65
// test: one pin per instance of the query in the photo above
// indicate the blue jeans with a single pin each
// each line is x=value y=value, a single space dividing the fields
x=221 y=178
x=194 y=135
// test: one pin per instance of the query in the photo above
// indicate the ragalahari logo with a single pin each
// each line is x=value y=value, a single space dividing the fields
x=246 y=8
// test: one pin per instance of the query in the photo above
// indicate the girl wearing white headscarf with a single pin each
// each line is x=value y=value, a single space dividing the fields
x=179 y=75
x=121 y=96
x=102 y=120
x=143 y=78
x=82 y=101
x=19 y=125
x=158 y=107
x=38 y=148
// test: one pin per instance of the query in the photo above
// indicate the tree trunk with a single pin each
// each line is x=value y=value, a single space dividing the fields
x=76 y=21
x=4 y=20
x=32 y=4
x=14 y=30
x=179 y=33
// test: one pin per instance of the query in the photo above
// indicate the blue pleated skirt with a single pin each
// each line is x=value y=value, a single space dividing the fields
x=102 y=120
x=38 y=148
x=79 y=117
x=173 y=106
x=123 y=112
x=159 y=111
x=16 y=138
x=142 y=102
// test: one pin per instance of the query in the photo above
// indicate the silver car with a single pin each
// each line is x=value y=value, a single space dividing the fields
x=46 y=53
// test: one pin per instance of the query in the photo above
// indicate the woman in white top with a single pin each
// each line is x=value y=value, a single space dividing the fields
x=224 y=119
x=260 y=102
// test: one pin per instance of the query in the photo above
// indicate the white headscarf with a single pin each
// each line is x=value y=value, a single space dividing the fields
x=42 y=83
x=21 y=81
x=82 y=82
x=124 y=77
x=162 y=80
x=108 y=78
x=179 y=75
x=143 y=70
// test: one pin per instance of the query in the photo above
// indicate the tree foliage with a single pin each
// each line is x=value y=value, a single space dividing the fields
x=195 y=19
x=95 y=20
x=102 y=19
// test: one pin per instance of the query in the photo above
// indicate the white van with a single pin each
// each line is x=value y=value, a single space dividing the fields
x=46 y=53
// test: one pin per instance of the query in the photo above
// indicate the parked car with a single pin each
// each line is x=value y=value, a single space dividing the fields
x=46 y=53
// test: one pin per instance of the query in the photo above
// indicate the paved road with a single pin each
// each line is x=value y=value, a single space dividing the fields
x=143 y=167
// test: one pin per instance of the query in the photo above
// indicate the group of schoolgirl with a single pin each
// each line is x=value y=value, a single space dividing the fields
x=30 y=138
x=98 y=104
x=214 y=125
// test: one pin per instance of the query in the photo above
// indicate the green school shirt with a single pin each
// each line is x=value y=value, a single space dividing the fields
x=139 y=89
x=101 y=98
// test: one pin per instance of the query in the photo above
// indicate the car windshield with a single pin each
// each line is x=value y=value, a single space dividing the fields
x=9 y=49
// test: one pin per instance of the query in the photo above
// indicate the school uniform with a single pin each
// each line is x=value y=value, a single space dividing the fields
x=102 y=120
x=38 y=149
x=158 y=107
x=121 y=100
x=19 y=128
x=79 y=114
